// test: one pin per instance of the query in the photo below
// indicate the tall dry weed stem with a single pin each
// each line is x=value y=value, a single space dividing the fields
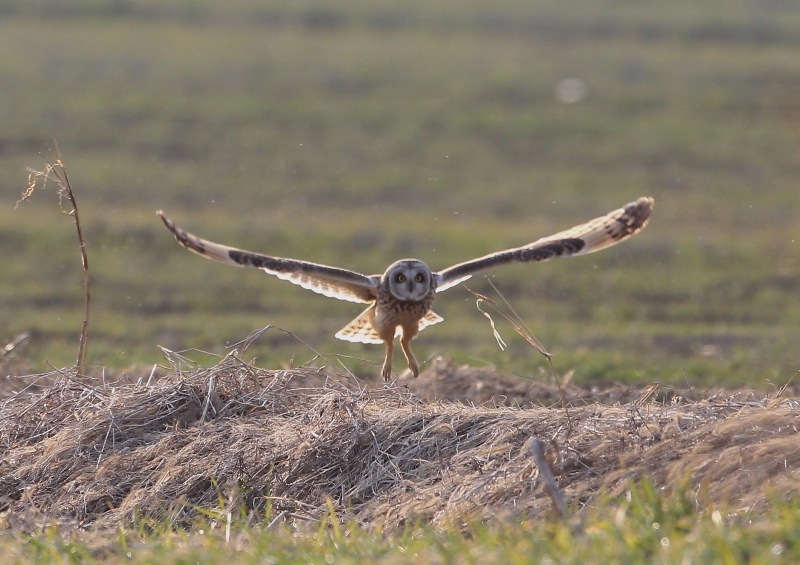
x=55 y=171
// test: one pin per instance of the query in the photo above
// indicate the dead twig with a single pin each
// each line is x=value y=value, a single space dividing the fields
x=14 y=344
x=519 y=326
x=535 y=445
x=786 y=385
x=56 y=172
x=513 y=319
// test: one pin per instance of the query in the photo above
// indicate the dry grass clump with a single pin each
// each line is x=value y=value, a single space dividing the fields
x=235 y=438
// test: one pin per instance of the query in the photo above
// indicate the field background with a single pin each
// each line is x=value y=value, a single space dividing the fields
x=354 y=133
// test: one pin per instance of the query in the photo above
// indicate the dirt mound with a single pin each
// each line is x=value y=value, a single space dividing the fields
x=472 y=385
x=235 y=438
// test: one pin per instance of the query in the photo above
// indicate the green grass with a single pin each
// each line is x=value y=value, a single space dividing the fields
x=356 y=134
x=647 y=526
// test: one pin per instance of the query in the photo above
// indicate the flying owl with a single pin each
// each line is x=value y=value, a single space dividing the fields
x=400 y=299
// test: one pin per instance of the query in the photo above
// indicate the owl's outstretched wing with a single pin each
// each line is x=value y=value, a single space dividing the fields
x=592 y=236
x=329 y=281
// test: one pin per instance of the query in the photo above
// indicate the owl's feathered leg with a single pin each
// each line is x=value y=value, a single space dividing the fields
x=405 y=343
x=387 y=362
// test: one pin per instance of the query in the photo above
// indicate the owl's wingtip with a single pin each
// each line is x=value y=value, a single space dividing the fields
x=639 y=212
x=167 y=222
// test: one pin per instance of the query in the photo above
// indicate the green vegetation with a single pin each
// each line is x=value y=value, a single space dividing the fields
x=354 y=134
x=647 y=527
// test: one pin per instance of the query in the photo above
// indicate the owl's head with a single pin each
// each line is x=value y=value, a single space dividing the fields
x=408 y=279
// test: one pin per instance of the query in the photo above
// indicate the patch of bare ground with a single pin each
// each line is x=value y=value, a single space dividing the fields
x=449 y=446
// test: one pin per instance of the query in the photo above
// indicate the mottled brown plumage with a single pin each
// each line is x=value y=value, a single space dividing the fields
x=400 y=300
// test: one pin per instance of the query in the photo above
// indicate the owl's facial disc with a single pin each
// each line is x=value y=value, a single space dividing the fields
x=408 y=279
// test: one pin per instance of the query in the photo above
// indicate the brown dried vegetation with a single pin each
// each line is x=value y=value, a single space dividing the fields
x=453 y=445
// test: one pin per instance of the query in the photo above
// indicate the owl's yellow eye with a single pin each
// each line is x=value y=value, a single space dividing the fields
x=401 y=278
x=419 y=278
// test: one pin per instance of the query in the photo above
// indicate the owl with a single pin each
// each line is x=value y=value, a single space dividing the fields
x=399 y=301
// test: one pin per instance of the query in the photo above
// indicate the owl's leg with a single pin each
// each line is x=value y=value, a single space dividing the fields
x=387 y=362
x=405 y=343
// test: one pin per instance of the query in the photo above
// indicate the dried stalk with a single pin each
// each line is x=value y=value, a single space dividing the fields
x=57 y=173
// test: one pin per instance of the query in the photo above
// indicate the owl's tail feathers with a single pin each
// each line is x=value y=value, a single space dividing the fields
x=429 y=319
x=361 y=329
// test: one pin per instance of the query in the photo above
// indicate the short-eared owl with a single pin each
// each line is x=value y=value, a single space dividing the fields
x=400 y=299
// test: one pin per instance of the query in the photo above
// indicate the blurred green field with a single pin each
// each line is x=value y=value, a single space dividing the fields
x=356 y=133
